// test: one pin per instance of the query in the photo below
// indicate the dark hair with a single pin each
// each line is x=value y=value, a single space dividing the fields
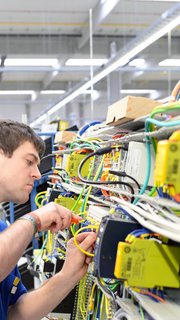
x=13 y=134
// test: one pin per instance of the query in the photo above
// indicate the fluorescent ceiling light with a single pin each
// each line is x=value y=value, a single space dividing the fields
x=17 y=92
x=137 y=62
x=153 y=94
x=170 y=63
x=30 y=62
x=95 y=94
x=86 y=62
x=52 y=92
x=164 y=0
x=137 y=91
x=167 y=23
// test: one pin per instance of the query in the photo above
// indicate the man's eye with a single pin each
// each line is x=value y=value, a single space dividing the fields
x=29 y=162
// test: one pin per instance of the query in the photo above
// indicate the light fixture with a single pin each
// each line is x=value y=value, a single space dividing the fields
x=170 y=63
x=39 y=62
x=167 y=22
x=53 y=92
x=137 y=63
x=86 y=62
x=17 y=92
x=137 y=91
x=153 y=94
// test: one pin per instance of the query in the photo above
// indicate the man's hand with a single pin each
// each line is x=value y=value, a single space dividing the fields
x=54 y=217
x=76 y=262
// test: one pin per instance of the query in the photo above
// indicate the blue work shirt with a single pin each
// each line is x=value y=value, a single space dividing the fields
x=9 y=293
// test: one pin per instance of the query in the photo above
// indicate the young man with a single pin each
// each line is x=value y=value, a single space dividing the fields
x=20 y=153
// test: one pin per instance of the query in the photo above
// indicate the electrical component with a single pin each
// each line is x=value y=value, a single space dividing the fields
x=167 y=169
x=69 y=203
x=148 y=263
x=136 y=163
x=111 y=230
x=97 y=213
x=99 y=152
x=73 y=163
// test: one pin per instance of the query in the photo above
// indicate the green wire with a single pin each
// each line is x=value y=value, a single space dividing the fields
x=98 y=173
x=159 y=124
x=86 y=143
x=163 y=110
x=157 y=111
x=153 y=190
x=141 y=312
x=42 y=248
x=74 y=227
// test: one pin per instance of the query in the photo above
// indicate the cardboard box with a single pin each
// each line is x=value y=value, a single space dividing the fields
x=64 y=136
x=129 y=108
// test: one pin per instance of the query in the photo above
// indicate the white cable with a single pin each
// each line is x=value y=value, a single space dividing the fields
x=160 y=212
x=149 y=225
x=169 y=215
x=163 y=202
x=156 y=219
x=142 y=136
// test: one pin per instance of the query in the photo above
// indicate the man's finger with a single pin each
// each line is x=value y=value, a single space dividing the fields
x=86 y=240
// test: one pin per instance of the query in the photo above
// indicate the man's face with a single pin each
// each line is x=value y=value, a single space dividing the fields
x=18 y=173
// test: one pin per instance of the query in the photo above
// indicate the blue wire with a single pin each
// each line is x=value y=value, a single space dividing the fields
x=84 y=128
x=98 y=307
x=138 y=232
x=162 y=194
x=162 y=123
x=125 y=212
x=148 y=149
x=148 y=171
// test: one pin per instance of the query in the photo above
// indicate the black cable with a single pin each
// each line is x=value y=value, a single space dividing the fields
x=101 y=152
x=98 y=152
x=124 y=174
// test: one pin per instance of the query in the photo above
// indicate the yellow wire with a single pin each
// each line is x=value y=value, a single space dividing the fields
x=91 y=301
x=107 y=306
x=102 y=304
x=75 y=239
x=92 y=290
x=81 y=299
x=49 y=242
x=94 y=179
x=39 y=196
x=40 y=193
x=60 y=250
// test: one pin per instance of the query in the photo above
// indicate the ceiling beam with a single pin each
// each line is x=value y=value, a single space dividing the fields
x=100 y=12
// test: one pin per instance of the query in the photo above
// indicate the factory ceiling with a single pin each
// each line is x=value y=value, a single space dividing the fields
x=61 y=30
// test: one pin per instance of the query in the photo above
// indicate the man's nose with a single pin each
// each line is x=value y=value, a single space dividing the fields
x=36 y=174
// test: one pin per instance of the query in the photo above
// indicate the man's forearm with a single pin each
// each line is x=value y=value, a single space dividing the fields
x=43 y=300
x=13 y=242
